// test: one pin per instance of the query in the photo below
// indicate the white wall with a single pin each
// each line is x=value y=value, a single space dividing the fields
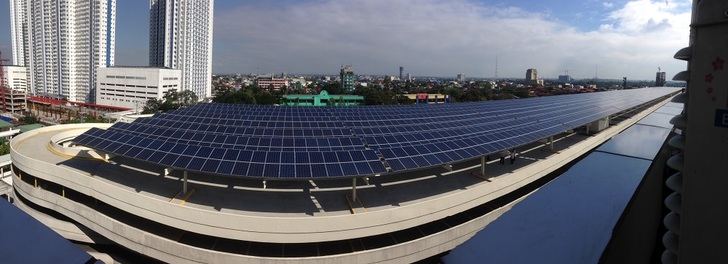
x=132 y=87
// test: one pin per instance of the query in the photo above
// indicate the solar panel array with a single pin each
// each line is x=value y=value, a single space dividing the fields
x=318 y=142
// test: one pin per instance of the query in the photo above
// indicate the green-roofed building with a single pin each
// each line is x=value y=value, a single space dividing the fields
x=5 y=125
x=322 y=99
x=26 y=128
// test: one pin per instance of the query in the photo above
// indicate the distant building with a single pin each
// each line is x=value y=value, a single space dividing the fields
x=265 y=82
x=461 y=77
x=401 y=71
x=14 y=98
x=16 y=77
x=347 y=78
x=564 y=78
x=423 y=98
x=322 y=99
x=531 y=75
x=132 y=87
x=660 y=79
x=409 y=77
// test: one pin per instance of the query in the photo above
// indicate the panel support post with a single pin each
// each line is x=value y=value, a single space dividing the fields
x=353 y=189
x=184 y=182
x=551 y=143
x=482 y=166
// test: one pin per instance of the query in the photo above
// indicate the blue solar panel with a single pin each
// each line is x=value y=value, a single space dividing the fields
x=300 y=142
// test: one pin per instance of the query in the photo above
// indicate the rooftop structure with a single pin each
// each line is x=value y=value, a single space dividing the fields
x=227 y=183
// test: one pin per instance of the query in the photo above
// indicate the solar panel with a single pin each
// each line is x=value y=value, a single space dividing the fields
x=318 y=142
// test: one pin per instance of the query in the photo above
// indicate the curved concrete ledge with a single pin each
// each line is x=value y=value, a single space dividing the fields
x=65 y=229
x=171 y=251
x=60 y=141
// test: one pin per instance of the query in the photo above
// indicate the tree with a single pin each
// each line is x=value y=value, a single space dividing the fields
x=172 y=100
x=152 y=106
x=187 y=98
x=266 y=98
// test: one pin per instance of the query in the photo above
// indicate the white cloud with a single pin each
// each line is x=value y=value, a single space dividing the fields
x=443 y=38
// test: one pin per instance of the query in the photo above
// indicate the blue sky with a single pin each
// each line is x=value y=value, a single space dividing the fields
x=610 y=39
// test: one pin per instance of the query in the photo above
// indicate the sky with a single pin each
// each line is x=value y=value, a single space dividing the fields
x=586 y=38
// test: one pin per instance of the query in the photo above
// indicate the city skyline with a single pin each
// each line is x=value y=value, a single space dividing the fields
x=605 y=39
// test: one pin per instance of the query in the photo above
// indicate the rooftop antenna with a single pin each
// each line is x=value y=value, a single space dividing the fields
x=496 y=67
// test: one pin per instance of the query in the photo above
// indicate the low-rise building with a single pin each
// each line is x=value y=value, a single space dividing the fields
x=131 y=87
x=423 y=98
x=265 y=82
x=14 y=97
x=322 y=99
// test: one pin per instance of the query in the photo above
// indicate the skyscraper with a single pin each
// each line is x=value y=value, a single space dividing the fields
x=19 y=31
x=62 y=43
x=401 y=70
x=531 y=75
x=660 y=78
x=180 y=37
x=347 y=78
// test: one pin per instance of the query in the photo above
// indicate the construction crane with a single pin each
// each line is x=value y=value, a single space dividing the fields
x=2 y=80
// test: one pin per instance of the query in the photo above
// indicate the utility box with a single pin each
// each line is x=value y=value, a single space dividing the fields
x=598 y=125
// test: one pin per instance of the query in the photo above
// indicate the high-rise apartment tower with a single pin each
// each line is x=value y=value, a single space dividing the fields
x=63 y=43
x=180 y=37
x=347 y=78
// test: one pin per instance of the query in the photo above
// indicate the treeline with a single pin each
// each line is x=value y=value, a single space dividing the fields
x=383 y=94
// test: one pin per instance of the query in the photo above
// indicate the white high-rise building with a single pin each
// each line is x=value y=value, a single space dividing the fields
x=63 y=44
x=180 y=37
x=19 y=31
